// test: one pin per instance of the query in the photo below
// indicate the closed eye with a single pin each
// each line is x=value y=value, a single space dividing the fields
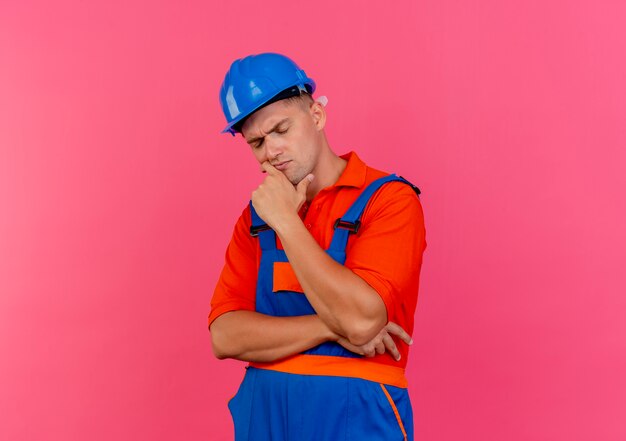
x=278 y=128
x=281 y=128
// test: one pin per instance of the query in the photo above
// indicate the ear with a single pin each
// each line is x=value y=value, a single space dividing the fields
x=318 y=113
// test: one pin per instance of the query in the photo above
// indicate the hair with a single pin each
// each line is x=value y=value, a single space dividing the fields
x=304 y=100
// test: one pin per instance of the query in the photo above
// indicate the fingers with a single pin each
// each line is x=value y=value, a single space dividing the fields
x=269 y=168
x=391 y=347
x=369 y=350
x=397 y=330
x=382 y=343
x=380 y=347
x=304 y=184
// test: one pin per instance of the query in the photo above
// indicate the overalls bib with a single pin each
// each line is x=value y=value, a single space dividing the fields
x=327 y=393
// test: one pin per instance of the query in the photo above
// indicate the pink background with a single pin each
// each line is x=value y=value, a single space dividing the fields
x=118 y=197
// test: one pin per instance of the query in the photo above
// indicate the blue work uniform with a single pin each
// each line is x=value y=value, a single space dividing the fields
x=272 y=405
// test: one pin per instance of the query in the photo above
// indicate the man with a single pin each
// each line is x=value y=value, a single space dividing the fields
x=321 y=275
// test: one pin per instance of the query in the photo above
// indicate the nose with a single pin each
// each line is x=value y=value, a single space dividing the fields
x=273 y=147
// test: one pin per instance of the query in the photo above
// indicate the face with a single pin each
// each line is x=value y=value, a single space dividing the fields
x=288 y=135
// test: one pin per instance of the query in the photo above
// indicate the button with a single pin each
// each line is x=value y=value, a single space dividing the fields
x=308 y=226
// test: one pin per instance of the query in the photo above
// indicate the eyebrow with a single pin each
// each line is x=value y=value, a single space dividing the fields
x=273 y=129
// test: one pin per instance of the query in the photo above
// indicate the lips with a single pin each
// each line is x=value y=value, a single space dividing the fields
x=282 y=165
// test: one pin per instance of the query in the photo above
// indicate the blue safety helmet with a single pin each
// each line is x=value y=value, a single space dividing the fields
x=256 y=81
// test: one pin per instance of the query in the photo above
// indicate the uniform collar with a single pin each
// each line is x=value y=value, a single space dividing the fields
x=354 y=173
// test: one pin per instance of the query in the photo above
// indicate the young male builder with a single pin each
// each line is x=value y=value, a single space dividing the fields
x=321 y=275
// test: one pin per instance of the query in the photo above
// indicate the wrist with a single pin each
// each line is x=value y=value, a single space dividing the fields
x=287 y=224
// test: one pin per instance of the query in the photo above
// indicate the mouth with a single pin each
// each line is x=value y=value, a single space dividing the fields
x=282 y=165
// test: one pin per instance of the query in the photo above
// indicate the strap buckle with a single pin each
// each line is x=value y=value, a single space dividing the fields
x=352 y=227
x=414 y=187
x=255 y=230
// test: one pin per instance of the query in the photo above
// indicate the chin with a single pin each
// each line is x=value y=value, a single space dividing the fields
x=295 y=180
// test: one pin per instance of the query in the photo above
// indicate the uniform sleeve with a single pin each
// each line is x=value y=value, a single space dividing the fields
x=387 y=251
x=236 y=287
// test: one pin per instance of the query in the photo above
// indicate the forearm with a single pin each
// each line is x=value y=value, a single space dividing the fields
x=344 y=301
x=251 y=336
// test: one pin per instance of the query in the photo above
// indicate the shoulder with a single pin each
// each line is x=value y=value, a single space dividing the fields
x=241 y=230
x=372 y=174
x=245 y=218
x=393 y=198
x=392 y=189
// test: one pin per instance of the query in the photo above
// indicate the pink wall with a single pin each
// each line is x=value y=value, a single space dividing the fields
x=118 y=196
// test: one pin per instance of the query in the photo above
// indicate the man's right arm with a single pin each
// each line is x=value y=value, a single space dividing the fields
x=237 y=330
x=251 y=336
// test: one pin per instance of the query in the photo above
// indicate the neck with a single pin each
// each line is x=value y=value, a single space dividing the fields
x=327 y=171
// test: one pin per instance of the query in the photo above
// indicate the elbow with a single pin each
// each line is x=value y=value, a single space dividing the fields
x=217 y=344
x=363 y=331
x=219 y=354
x=364 y=321
x=358 y=338
x=361 y=327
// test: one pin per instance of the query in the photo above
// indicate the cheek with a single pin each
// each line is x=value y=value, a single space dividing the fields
x=259 y=154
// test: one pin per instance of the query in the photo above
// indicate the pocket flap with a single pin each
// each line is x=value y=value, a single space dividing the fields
x=285 y=279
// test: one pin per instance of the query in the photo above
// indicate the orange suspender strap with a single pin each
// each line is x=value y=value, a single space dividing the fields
x=338 y=367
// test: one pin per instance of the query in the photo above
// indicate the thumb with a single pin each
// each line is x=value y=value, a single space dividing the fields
x=304 y=184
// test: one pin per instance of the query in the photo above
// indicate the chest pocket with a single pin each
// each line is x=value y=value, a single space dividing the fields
x=285 y=279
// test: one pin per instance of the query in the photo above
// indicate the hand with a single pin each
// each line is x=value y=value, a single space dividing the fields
x=277 y=197
x=381 y=343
